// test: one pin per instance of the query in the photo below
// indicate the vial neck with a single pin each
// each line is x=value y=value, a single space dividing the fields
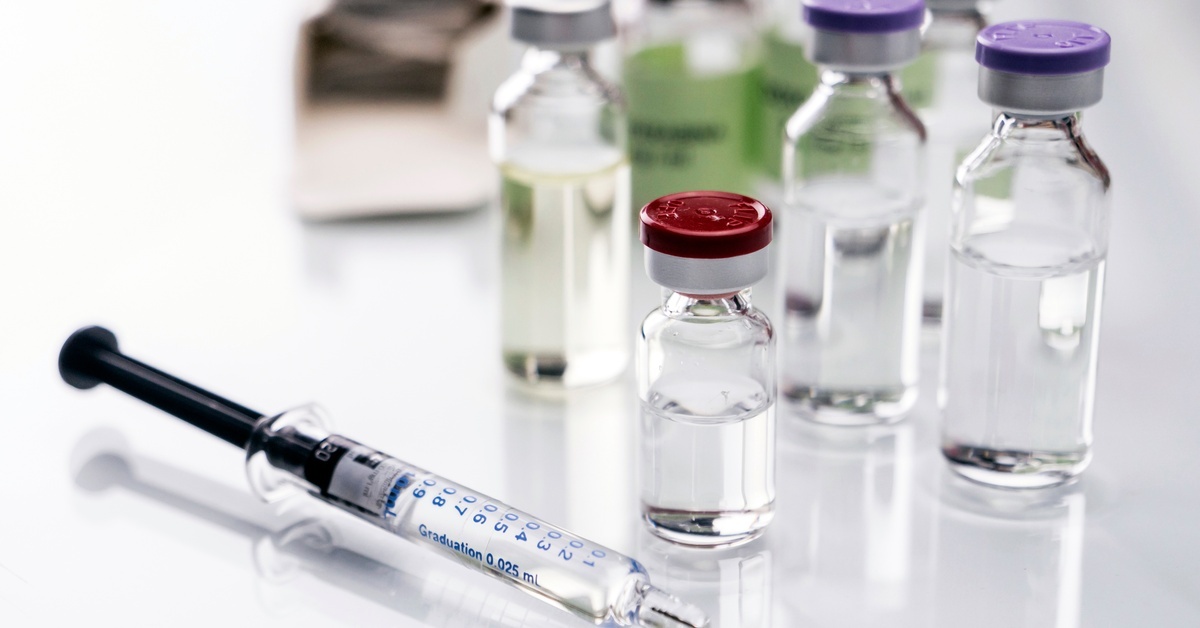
x=1033 y=127
x=538 y=60
x=878 y=82
x=678 y=304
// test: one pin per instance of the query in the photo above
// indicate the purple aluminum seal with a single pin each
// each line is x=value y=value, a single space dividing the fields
x=865 y=16
x=1043 y=47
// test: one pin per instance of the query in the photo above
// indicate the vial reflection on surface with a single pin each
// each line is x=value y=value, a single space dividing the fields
x=848 y=507
x=1018 y=554
x=569 y=458
x=732 y=585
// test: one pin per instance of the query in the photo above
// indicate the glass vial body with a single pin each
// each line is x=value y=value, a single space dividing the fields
x=940 y=86
x=557 y=134
x=851 y=275
x=706 y=379
x=691 y=79
x=1028 y=244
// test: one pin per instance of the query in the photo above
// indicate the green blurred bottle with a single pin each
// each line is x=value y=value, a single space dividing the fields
x=692 y=84
x=788 y=79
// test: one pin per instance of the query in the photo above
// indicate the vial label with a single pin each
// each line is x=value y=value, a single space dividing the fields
x=368 y=479
x=788 y=80
x=690 y=131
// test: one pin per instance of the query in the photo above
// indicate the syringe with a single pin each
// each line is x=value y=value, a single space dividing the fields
x=295 y=449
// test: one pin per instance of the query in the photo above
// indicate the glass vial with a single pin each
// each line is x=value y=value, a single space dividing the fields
x=691 y=77
x=706 y=371
x=557 y=135
x=1029 y=240
x=940 y=86
x=853 y=179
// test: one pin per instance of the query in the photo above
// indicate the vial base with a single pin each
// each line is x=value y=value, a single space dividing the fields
x=931 y=311
x=851 y=407
x=708 y=529
x=1014 y=468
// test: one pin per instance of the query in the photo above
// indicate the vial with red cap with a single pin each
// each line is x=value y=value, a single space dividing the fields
x=706 y=371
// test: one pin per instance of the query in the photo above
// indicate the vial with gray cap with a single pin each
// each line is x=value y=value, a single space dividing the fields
x=557 y=134
x=1028 y=244
x=940 y=86
x=706 y=371
x=851 y=231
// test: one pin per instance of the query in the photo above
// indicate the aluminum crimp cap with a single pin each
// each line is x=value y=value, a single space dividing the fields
x=865 y=16
x=566 y=24
x=864 y=35
x=707 y=242
x=952 y=5
x=1042 y=66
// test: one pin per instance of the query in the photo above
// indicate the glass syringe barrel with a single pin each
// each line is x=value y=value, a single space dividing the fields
x=594 y=582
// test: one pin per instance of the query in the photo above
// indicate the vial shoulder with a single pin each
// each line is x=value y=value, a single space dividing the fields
x=829 y=116
x=1067 y=161
x=748 y=326
x=557 y=88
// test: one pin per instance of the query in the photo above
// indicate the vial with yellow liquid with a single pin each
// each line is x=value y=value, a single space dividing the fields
x=557 y=135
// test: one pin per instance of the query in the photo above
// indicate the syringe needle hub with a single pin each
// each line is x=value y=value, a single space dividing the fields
x=660 y=609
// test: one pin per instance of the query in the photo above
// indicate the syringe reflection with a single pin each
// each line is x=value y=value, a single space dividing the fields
x=304 y=560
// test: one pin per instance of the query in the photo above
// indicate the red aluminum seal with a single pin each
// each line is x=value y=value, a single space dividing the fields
x=706 y=225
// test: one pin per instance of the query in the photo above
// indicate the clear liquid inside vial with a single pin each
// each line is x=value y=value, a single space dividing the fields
x=708 y=459
x=1019 y=368
x=565 y=265
x=853 y=303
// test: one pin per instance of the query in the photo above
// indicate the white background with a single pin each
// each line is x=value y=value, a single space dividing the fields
x=144 y=161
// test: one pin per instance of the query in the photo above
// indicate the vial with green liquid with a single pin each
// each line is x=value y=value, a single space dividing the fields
x=557 y=135
x=691 y=77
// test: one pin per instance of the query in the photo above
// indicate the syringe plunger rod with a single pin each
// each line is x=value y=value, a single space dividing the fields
x=90 y=357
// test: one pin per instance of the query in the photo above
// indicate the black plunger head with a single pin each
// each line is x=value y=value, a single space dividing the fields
x=90 y=357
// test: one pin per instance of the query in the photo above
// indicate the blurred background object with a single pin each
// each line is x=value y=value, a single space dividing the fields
x=691 y=80
x=146 y=147
x=389 y=95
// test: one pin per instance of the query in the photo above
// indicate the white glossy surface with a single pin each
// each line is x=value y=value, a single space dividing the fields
x=145 y=150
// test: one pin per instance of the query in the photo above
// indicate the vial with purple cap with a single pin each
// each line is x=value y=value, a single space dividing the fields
x=1028 y=243
x=851 y=231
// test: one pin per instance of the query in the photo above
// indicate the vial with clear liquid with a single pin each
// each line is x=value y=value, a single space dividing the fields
x=1029 y=240
x=852 y=168
x=940 y=86
x=706 y=371
x=557 y=134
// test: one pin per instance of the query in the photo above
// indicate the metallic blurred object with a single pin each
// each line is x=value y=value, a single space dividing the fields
x=391 y=102
x=397 y=49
